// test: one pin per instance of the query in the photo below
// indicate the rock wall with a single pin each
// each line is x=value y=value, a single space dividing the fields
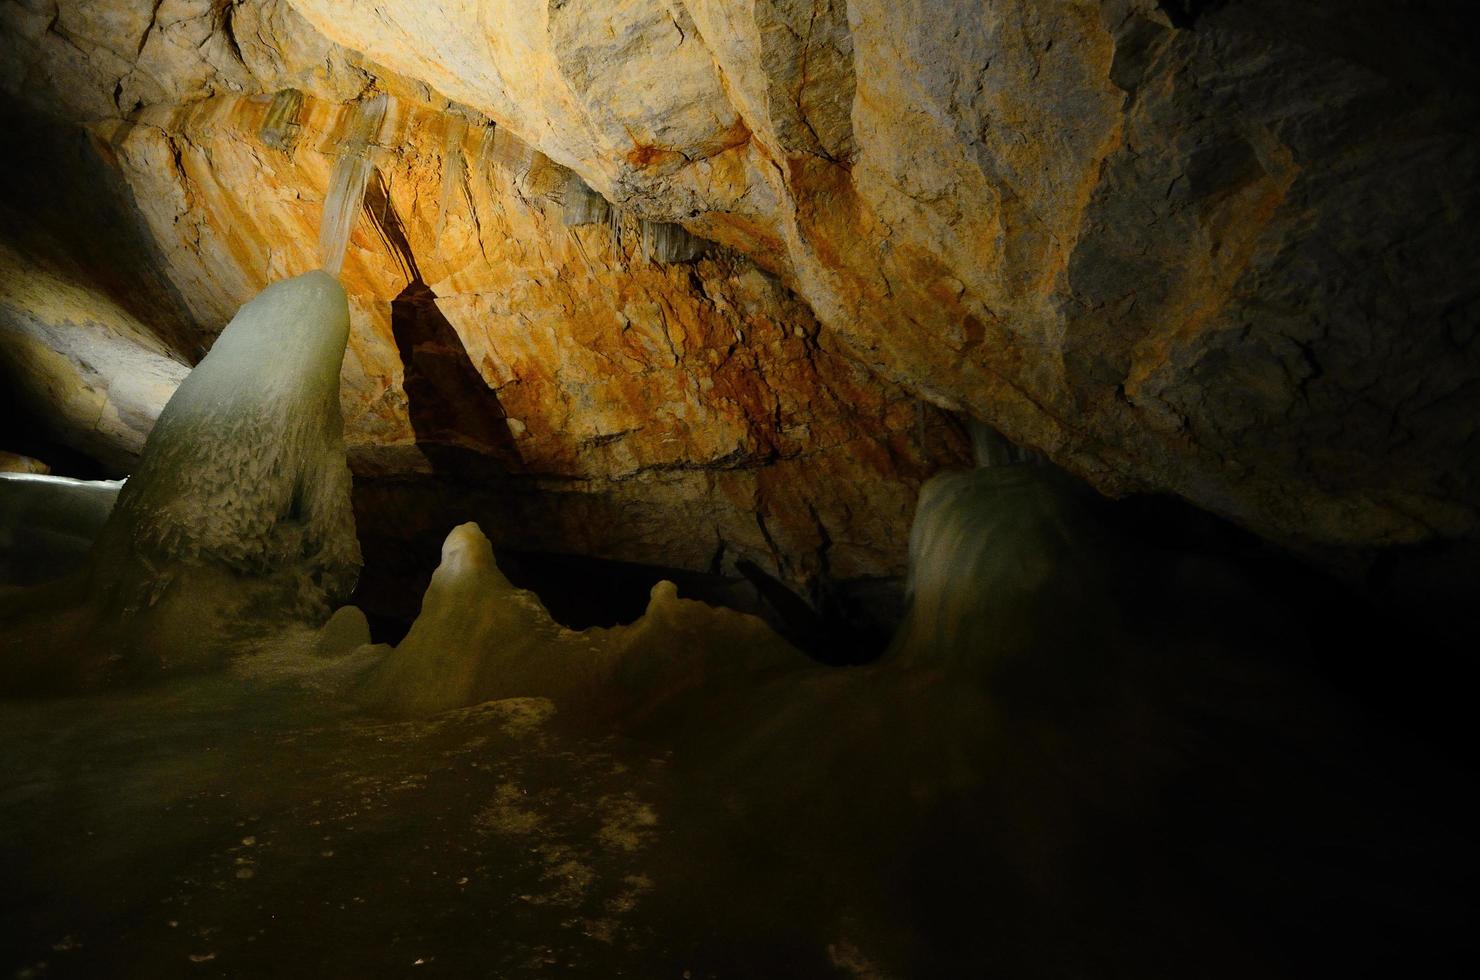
x=558 y=380
x=1225 y=250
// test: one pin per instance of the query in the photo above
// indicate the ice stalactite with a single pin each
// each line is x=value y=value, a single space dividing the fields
x=483 y=154
x=281 y=128
x=616 y=221
x=658 y=242
x=990 y=448
x=509 y=153
x=236 y=519
x=664 y=242
x=580 y=205
x=352 y=168
x=479 y=638
x=539 y=178
x=454 y=167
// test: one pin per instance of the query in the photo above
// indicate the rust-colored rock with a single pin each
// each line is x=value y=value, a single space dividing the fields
x=589 y=399
x=1226 y=253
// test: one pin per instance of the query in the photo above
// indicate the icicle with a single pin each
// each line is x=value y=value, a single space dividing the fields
x=511 y=154
x=347 y=186
x=617 y=219
x=281 y=129
x=483 y=156
x=665 y=242
x=580 y=205
x=453 y=166
x=990 y=448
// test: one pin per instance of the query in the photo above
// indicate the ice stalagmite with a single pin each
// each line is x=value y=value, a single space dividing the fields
x=237 y=517
x=1002 y=559
x=479 y=638
x=245 y=468
x=352 y=168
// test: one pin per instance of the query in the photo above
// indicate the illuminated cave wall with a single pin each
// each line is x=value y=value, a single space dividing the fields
x=1223 y=251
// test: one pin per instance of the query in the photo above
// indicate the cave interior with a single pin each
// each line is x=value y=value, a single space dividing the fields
x=808 y=488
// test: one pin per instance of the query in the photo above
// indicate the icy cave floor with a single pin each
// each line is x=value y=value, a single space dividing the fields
x=211 y=827
x=251 y=823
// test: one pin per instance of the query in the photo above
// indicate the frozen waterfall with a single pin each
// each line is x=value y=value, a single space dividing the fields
x=352 y=168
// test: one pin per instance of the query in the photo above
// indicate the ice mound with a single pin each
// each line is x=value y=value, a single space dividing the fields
x=479 y=638
x=245 y=470
x=237 y=516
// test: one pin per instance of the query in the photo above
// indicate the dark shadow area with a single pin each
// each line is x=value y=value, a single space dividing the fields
x=847 y=623
x=460 y=426
x=582 y=592
x=1396 y=641
x=21 y=432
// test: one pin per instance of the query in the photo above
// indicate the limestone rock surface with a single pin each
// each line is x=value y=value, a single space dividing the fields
x=1223 y=250
x=1176 y=246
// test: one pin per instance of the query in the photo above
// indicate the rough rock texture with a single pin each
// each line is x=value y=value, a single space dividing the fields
x=550 y=379
x=1226 y=250
x=100 y=60
x=102 y=375
x=492 y=341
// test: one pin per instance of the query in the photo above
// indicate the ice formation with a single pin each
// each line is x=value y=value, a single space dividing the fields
x=1002 y=559
x=580 y=205
x=508 y=152
x=238 y=514
x=245 y=469
x=665 y=242
x=281 y=128
x=346 y=630
x=352 y=168
x=453 y=168
x=479 y=638
x=658 y=242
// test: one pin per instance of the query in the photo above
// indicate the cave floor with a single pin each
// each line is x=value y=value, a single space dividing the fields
x=215 y=827
x=252 y=822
